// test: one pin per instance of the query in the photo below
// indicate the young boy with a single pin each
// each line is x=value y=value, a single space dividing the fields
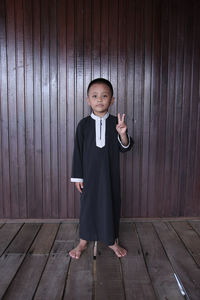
x=95 y=170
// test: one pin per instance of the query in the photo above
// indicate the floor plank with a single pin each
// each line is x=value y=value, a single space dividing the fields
x=159 y=267
x=9 y=264
x=66 y=238
x=53 y=279
x=25 y=282
x=7 y=233
x=109 y=281
x=183 y=264
x=45 y=239
x=79 y=283
x=35 y=264
x=196 y=226
x=137 y=282
x=23 y=239
x=190 y=238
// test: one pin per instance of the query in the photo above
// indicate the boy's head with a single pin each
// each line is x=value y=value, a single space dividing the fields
x=100 y=95
x=102 y=81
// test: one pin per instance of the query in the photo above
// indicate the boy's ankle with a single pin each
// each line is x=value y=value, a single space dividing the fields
x=83 y=242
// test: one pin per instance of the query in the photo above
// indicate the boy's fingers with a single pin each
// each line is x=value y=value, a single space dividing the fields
x=123 y=117
x=78 y=186
x=81 y=185
x=119 y=120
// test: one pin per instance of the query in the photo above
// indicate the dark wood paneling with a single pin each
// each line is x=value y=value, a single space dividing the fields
x=4 y=160
x=49 y=52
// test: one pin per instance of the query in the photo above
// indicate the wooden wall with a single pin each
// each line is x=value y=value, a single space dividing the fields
x=49 y=51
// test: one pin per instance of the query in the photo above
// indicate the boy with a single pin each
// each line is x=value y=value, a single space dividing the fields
x=95 y=169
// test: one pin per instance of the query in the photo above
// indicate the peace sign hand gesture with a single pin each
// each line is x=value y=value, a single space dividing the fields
x=121 y=126
x=121 y=129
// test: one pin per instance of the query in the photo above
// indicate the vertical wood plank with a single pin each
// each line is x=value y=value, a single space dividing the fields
x=96 y=38
x=12 y=107
x=87 y=51
x=187 y=71
x=155 y=155
x=46 y=132
x=178 y=99
x=20 y=108
x=53 y=98
x=168 y=204
x=129 y=99
x=79 y=71
x=104 y=45
x=146 y=106
x=1 y=168
x=113 y=50
x=138 y=107
x=79 y=21
x=73 y=202
x=5 y=160
x=193 y=186
x=37 y=205
x=29 y=108
x=62 y=107
x=121 y=84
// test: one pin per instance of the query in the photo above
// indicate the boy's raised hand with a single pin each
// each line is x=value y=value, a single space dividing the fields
x=121 y=127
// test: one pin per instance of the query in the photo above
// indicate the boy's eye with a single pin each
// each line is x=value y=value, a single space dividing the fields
x=94 y=96
x=105 y=96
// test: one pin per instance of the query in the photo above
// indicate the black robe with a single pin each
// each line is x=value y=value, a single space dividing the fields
x=100 y=170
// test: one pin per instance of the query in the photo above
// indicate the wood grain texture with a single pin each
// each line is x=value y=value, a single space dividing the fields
x=79 y=283
x=183 y=264
x=165 y=284
x=35 y=263
x=109 y=281
x=49 y=52
x=137 y=282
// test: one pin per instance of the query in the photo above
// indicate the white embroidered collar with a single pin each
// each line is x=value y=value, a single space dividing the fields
x=100 y=129
x=95 y=117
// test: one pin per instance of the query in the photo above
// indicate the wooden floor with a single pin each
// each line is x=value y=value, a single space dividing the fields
x=163 y=257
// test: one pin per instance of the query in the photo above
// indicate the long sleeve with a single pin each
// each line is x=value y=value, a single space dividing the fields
x=77 y=162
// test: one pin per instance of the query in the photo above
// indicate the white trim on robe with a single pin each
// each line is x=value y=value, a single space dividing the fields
x=129 y=141
x=76 y=179
x=100 y=129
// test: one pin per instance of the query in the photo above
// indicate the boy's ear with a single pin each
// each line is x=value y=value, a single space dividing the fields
x=88 y=101
x=112 y=100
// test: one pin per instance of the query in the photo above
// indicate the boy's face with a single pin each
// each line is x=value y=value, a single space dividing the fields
x=100 y=98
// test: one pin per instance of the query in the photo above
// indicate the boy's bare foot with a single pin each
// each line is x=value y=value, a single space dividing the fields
x=119 y=251
x=77 y=251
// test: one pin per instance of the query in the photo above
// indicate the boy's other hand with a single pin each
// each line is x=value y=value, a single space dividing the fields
x=79 y=186
x=121 y=126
